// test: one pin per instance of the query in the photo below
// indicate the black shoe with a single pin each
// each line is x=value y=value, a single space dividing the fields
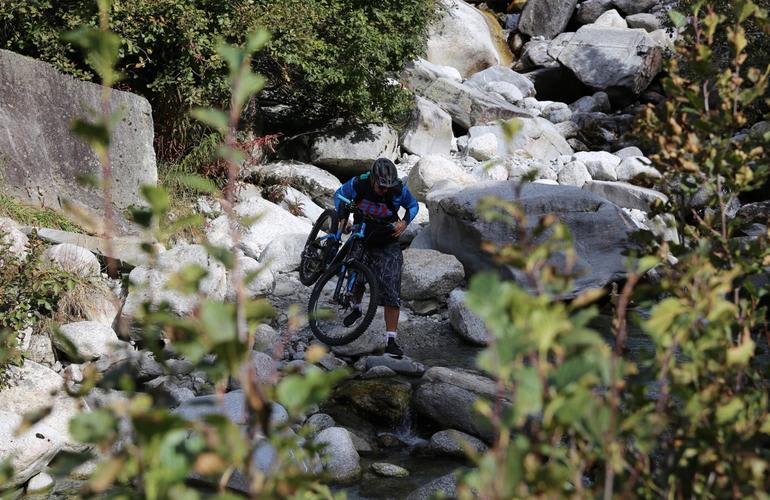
x=352 y=317
x=393 y=349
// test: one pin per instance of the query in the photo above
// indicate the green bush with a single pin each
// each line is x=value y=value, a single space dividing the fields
x=327 y=58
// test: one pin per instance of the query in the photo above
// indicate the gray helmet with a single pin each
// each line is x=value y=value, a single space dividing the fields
x=384 y=173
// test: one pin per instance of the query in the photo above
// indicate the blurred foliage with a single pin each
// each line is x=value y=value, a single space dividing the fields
x=34 y=216
x=576 y=417
x=327 y=58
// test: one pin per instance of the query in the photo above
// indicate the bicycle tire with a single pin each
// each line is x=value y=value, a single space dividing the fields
x=367 y=316
x=310 y=271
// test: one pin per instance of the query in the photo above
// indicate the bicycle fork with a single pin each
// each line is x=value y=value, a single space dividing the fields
x=344 y=301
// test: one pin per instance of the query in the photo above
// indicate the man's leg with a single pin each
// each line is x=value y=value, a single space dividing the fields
x=391 y=318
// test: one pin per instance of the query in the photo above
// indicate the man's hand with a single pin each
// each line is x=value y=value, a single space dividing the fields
x=398 y=228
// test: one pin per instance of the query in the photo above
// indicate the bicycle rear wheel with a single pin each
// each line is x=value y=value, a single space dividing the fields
x=332 y=301
x=317 y=248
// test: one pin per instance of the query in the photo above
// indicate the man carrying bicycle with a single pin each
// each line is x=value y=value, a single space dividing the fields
x=379 y=194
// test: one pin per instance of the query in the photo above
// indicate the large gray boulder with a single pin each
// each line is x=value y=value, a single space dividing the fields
x=316 y=182
x=589 y=11
x=599 y=228
x=351 y=149
x=537 y=137
x=467 y=40
x=635 y=6
x=284 y=253
x=608 y=58
x=452 y=407
x=12 y=239
x=28 y=452
x=455 y=444
x=467 y=105
x=342 y=460
x=44 y=160
x=431 y=170
x=126 y=249
x=546 y=18
x=429 y=131
x=442 y=487
x=72 y=259
x=90 y=339
x=428 y=274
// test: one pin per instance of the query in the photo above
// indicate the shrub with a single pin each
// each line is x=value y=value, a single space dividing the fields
x=327 y=58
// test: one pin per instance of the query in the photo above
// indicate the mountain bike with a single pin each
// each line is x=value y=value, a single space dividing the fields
x=341 y=278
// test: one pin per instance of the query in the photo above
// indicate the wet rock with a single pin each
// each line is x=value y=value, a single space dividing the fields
x=467 y=380
x=456 y=444
x=429 y=274
x=466 y=39
x=343 y=461
x=381 y=400
x=451 y=407
x=464 y=321
x=350 y=150
x=404 y=366
x=546 y=18
x=444 y=486
x=388 y=470
x=72 y=259
x=391 y=441
x=378 y=372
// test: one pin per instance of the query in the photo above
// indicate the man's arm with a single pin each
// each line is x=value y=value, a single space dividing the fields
x=348 y=191
x=409 y=202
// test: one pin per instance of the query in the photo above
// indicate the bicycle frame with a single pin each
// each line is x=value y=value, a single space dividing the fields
x=356 y=234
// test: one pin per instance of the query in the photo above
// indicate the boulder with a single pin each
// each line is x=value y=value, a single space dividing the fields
x=599 y=101
x=33 y=387
x=465 y=322
x=519 y=167
x=451 y=406
x=72 y=259
x=284 y=253
x=404 y=366
x=629 y=7
x=40 y=484
x=429 y=131
x=537 y=137
x=150 y=284
x=468 y=105
x=44 y=160
x=89 y=301
x=90 y=339
x=647 y=22
x=495 y=76
x=546 y=18
x=128 y=250
x=535 y=54
x=271 y=222
x=589 y=11
x=600 y=164
x=12 y=239
x=372 y=340
x=261 y=283
x=467 y=380
x=634 y=167
x=626 y=195
x=298 y=203
x=342 y=460
x=557 y=112
x=609 y=58
x=491 y=171
x=231 y=405
x=467 y=39
x=40 y=350
x=442 y=487
x=315 y=182
x=483 y=147
x=416 y=225
x=420 y=73
x=388 y=470
x=350 y=150
x=429 y=274
x=611 y=19
x=319 y=422
x=28 y=452
x=574 y=173
x=265 y=338
x=599 y=230
x=432 y=169
x=385 y=401
x=456 y=444
x=628 y=152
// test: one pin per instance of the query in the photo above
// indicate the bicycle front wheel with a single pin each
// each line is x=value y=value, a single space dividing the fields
x=330 y=311
x=317 y=248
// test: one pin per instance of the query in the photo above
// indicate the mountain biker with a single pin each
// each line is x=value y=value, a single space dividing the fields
x=379 y=194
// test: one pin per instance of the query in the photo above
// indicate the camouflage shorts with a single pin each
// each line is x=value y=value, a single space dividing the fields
x=386 y=263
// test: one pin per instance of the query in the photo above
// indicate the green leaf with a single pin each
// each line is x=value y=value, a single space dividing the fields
x=198 y=183
x=677 y=18
x=256 y=40
x=726 y=413
x=157 y=198
x=94 y=427
x=96 y=135
x=213 y=118
x=741 y=354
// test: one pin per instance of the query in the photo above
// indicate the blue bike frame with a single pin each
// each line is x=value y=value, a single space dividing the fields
x=357 y=233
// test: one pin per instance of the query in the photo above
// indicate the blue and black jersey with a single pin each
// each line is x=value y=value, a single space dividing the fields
x=385 y=208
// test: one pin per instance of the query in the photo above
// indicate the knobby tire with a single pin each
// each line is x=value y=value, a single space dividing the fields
x=306 y=277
